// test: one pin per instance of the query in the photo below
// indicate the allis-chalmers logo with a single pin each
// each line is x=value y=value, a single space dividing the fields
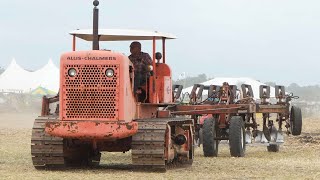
x=92 y=58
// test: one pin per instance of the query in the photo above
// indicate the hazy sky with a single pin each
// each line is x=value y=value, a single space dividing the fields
x=268 y=40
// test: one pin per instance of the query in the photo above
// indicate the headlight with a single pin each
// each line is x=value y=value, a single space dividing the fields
x=109 y=72
x=150 y=68
x=72 y=72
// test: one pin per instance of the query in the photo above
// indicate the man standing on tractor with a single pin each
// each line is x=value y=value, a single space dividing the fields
x=141 y=62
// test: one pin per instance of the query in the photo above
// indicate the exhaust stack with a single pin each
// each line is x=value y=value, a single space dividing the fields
x=95 y=42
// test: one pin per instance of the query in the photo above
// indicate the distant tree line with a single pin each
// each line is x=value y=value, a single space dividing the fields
x=306 y=93
x=309 y=98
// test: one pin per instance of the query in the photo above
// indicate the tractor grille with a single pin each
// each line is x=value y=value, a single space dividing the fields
x=90 y=94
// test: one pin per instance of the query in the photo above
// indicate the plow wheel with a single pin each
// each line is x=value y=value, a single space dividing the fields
x=237 y=141
x=273 y=148
x=210 y=145
x=295 y=121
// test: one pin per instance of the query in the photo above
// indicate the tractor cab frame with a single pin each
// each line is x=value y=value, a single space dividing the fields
x=160 y=80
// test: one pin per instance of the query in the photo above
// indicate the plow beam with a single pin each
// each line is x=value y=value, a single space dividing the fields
x=229 y=109
x=281 y=109
x=214 y=109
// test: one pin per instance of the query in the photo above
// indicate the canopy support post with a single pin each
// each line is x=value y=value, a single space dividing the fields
x=154 y=63
x=164 y=49
x=74 y=43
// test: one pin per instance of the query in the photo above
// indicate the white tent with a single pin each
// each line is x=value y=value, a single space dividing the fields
x=47 y=77
x=17 y=79
x=238 y=82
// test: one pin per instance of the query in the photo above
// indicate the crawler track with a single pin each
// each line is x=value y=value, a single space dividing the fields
x=46 y=151
x=148 y=145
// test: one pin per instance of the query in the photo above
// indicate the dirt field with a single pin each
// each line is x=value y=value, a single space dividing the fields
x=299 y=158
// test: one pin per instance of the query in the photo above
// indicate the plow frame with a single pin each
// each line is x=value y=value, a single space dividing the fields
x=226 y=101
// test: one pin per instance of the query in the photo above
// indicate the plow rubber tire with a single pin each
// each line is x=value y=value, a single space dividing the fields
x=296 y=121
x=237 y=145
x=273 y=148
x=210 y=146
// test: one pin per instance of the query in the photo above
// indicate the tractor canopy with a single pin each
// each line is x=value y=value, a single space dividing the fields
x=124 y=35
x=121 y=35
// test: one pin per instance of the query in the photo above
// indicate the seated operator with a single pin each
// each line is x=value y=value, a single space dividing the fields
x=141 y=62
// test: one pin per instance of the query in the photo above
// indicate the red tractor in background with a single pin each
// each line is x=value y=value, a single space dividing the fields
x=98 y=110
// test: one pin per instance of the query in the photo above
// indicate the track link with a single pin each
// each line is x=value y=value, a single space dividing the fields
x=148 y=145
x=47 y=151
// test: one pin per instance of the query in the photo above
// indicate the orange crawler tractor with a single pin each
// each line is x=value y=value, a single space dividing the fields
x=98 y=110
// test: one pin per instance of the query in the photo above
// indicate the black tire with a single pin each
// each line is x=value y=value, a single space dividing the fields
x=296 y=121
x=273 y=148
x=237 y=141
x=210 y=145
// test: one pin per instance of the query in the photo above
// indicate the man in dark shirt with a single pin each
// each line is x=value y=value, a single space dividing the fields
x=141 y=62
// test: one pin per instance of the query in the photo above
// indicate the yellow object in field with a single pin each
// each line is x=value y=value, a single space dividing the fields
x=259 y=115
x=40 y=91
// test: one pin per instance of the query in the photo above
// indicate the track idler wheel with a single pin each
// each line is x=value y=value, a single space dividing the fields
x=237 y=141
x=210 y=144
x=295 y=121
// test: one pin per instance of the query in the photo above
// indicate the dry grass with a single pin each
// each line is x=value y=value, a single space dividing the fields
x=297 y=159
